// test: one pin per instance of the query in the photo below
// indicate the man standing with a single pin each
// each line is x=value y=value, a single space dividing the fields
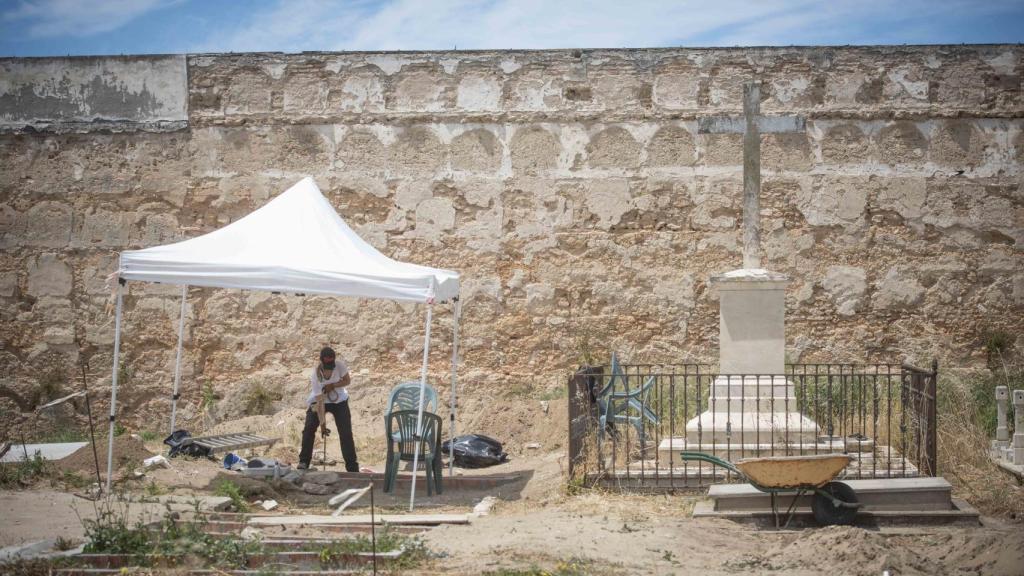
x=328 y=394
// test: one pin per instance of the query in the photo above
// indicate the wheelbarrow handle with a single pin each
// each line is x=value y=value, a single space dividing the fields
x=702 y=457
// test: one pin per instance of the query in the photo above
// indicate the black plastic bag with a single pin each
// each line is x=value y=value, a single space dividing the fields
x=181 y=444
x=475 y=451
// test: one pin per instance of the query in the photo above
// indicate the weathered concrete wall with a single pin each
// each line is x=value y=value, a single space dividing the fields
x=570 y=187
x=82 y=94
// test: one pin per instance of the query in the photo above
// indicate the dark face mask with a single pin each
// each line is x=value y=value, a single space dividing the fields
x=328 y=365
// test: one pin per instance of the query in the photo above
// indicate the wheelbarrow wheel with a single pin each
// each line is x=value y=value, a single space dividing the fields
x=829 y=512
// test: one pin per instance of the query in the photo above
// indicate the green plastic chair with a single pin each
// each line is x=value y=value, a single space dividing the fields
x=406 y=396
x=401 y=434
x=614 y=405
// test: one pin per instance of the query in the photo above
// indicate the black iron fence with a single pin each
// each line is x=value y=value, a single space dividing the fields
x=628 y=423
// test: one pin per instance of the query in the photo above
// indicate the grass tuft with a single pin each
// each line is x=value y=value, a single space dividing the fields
x=260 y=400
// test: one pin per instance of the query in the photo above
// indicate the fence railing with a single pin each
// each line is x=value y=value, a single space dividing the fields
x=626 y=429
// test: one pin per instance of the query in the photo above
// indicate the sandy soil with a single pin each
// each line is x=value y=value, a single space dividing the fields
x=31 y=515
x=601 y=533
x=635 y=543
x=607 y=533
x=535 y=524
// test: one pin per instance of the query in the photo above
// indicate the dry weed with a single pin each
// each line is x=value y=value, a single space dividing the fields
x=964 y=444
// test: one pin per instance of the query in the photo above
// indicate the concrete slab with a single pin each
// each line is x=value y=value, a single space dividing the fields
x=751 y=427
x=1011 y=469
x=38 y=549
x=187 y=503
x=53 y=451
x=960 y=514
x=398 y=519
x=670 y=448
x=896 y=494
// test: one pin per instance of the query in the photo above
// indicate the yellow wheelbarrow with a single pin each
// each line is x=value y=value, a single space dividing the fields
x=834 y=503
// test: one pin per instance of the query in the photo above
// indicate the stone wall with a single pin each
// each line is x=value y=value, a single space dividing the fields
x=571 y=188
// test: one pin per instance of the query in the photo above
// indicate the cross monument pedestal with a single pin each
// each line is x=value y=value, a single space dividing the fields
x=752 y=405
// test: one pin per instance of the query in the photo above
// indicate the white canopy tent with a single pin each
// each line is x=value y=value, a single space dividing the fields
x=295 y=243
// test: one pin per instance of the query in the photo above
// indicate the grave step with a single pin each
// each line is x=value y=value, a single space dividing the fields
x=926 y=493
x=712 y=443
x=752 y=427
x=752 y=404
x=752 y=387
x=735 y=450
x=960 y=514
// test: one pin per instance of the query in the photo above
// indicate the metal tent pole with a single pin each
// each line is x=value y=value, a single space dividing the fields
x=177 y=359
x=419 y=416
x=113 y=383
x=454 y=394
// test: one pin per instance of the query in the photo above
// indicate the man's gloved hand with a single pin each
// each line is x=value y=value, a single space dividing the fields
x=325 y=431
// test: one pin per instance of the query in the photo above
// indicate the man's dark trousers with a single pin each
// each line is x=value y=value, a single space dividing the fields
x=342 y=421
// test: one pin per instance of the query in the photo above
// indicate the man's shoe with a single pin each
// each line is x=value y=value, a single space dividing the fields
x=302 y=466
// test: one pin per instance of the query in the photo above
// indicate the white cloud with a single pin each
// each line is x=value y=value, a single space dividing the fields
x=297 y=25
x=54 y=18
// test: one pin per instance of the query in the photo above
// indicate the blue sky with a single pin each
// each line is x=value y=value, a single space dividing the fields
x=61 y=27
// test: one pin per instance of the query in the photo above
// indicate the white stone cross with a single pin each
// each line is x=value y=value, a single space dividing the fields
x=751 y=125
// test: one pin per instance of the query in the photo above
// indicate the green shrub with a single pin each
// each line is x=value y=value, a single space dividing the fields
x=154 y=489
x=24 y=472
x=571 y=567
x=414 y=551
x=74 y=480
x=111 y=533
x=229 y=489
x=210 y=397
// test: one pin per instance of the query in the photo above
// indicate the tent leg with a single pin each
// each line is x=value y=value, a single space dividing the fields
x=454 y=394
x=113 y=384
x=177 y=359
x=419 y=416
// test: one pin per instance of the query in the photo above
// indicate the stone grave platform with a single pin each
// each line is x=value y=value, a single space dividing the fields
x=889 y=502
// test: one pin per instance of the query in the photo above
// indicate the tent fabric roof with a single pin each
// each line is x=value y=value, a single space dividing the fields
x=294 y=243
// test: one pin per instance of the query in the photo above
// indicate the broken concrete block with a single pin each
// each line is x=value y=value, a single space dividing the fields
x=483 y=507
x=158 y=461
x=316 y=489
x=322 y=477
x=269 y=505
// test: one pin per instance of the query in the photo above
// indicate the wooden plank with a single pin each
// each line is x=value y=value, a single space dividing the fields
x=397 y=519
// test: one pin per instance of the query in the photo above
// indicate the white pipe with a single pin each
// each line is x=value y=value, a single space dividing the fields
x=113 y=386
x=177 y=359
x=419 y=416
x=454 y=401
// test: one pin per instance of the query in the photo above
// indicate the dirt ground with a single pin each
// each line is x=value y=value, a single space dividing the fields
x=539 y=526
x=629 y=541
x=535 y=524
